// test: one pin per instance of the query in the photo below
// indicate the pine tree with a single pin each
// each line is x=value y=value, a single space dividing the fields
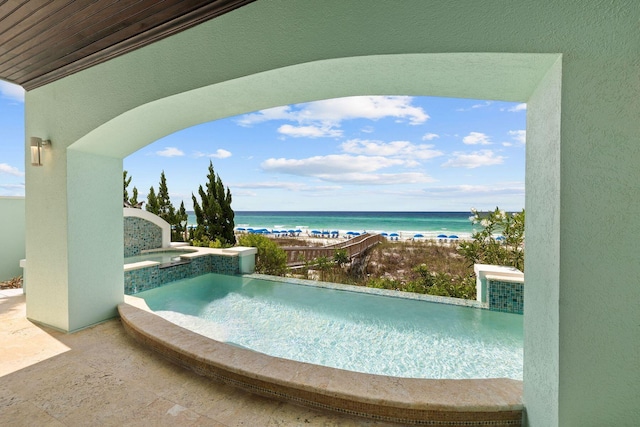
x=166 y=210
x=228 y=216
x=134 y=199
x=152 y=202
x=181 y=224
x=214 y=215
x=125 y=193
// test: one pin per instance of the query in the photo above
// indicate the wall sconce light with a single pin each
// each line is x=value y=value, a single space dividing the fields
x=37 y=144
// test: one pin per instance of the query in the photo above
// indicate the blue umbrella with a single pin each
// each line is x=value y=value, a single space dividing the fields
x=351 y=233
x=240 y=229
x=418 y=235
x=442 y=236
x=500 y=238
x=453 y=236
x=394 y=235
x=384 y=234
x=315 y=232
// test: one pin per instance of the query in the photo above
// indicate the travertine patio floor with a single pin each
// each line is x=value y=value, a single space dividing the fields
x=101 y=377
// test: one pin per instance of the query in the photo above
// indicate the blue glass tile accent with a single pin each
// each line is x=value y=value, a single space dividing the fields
x=140 y=235
x=506 y=296
x=157 y=275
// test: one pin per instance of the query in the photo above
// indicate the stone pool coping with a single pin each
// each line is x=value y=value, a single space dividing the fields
x=472 y=402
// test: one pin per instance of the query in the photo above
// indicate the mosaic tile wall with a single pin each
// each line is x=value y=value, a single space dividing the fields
x=140 y=235
x=505 y=296
x=157 y=275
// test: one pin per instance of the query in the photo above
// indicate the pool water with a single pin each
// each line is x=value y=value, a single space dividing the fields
x=348 y=330
x=161 y=257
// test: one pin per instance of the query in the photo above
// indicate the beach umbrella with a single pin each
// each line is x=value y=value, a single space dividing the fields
x=240 y=229
x=442 y=236
x=500 y=238
x=350 y=233
x=384 y=234
x=394 y=235
x=418 y=235
x=453 y=236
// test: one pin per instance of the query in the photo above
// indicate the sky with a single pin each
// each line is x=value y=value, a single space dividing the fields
x=368 y=153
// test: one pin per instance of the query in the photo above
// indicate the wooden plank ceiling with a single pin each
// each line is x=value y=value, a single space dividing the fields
x=44 y=40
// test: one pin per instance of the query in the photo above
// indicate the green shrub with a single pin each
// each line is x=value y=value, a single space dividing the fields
x=271 y=258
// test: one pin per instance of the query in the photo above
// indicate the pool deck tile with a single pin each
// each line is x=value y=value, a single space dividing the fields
x=99 y=376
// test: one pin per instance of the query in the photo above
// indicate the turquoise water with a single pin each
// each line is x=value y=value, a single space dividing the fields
x=162 y=257
x=430 y=223
x=348 y=330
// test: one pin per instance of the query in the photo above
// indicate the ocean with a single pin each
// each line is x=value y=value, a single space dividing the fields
x=429 y=224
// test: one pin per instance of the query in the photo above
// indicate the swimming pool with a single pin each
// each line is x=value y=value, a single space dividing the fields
x=347 y=330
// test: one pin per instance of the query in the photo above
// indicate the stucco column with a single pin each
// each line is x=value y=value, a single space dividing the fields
x=73 y=214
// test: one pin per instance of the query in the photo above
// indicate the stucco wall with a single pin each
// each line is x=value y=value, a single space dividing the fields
x=575 y=63
x=12 y=236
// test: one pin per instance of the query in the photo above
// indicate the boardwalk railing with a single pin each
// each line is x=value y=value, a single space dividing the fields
x=298 y=255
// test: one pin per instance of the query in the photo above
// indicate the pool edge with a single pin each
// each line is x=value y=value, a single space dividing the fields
x=477 y=402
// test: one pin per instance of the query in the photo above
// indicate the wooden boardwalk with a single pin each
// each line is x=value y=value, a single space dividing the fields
x=298 y=255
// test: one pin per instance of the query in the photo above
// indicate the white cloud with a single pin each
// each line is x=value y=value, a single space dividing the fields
x=12 y=187
x=11 y=91
x=430 y=136
x=219 y=154
x=276 y=113
x=477 y=138
x=331 y=112
x=473 y=160
x=244 y=193
x=367 y=129
x=483 y=105
x=10 y=170
x=520 y=136
x=517 y=108
x=170 y=152
x=471 y=191
x=291 y=186
x=398 y=149
x=347 y=169
x=331 y=164
x=476 y=106
x=378 y=179
x=309 y=131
